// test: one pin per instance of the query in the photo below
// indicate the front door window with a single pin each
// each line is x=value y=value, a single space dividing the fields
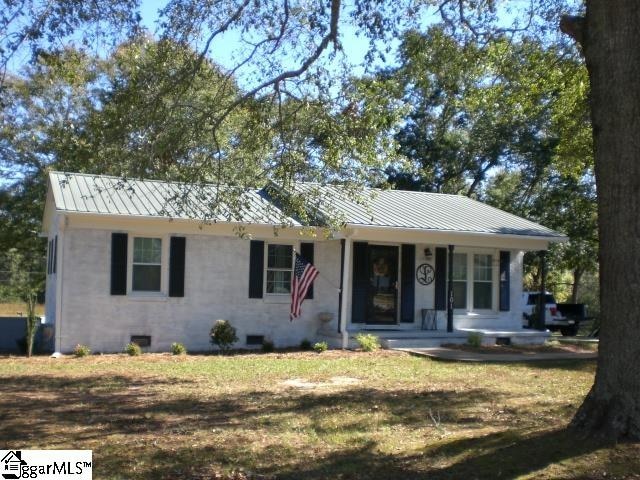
x=383 y=293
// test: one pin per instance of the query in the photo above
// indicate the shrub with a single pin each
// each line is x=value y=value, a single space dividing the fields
x=133 y=349
x=178 y=349
x=474 y=339
x=81 y=351
x=368 y=342
x=223 y=335
x=321 y=347
x=305 y=345
x=267 y=346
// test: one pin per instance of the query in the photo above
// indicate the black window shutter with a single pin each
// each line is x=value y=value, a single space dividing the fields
x=505 y=289
x=306 y=252
x=119 y=263
x=256 y=268
x=176 y=266
x=55 y=253
x=360 y=294
x=441 y=279
x=407 y=283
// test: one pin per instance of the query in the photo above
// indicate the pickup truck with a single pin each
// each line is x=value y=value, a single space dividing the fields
x=554 y=319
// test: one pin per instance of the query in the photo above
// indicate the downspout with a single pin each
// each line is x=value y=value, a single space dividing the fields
x=450 y=291
x=342 y=241
x=62 y=221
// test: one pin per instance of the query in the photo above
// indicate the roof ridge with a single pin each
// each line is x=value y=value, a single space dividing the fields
x=176 y=182
x=154 y=180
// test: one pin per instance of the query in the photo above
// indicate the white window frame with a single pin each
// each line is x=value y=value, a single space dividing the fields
x=164 y=259
x=294 y=249
x=470 y=280
x=492 y=281
x=465 y=281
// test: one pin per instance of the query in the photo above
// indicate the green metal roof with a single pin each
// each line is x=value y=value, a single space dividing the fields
x=106 y=195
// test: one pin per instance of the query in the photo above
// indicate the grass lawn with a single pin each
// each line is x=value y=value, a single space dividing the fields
x=348 y=415
x=14 y=309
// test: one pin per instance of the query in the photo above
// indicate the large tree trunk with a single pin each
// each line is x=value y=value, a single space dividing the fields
x=577 y=277
x=610 y=39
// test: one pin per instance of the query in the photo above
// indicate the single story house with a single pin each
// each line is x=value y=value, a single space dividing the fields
x=126 y=264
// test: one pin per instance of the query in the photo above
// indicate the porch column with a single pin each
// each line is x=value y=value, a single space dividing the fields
x=542 y=299
x=345 y=292
x=450 y=291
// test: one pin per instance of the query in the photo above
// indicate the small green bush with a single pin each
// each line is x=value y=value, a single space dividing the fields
x=81 y=351
x=321 y=347
x=178 y=349
x=133 y=349
x=305 y=345
x=474 y=339
x=368 y=342
x=267 y=346
x=223 y=335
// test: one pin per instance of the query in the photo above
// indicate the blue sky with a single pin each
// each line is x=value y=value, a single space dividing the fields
x=354 y=47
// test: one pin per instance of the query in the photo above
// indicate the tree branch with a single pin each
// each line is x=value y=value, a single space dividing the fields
x=575 y=27
x=330 y=37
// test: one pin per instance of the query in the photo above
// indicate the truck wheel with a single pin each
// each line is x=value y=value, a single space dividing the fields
x=569 y=331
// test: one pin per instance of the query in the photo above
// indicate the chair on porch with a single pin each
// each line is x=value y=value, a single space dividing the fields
x=429 y=319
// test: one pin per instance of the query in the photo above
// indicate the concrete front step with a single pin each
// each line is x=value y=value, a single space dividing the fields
x=461 y=336
x=419 y=342
x=431 y=338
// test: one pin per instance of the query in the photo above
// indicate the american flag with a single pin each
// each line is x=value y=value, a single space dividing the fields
x=304 y=273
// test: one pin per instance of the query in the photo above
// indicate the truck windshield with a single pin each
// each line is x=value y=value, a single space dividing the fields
x=533 y=299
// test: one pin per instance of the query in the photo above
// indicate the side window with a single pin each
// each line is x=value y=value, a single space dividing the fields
x=482 y=282
x=147 y=264
x=460 y=280
x=279 y=269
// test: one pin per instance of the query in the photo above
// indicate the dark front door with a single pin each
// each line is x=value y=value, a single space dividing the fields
x=383 y=285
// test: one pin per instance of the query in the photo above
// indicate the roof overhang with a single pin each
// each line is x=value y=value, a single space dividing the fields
x=449 y=237
x=368 y=233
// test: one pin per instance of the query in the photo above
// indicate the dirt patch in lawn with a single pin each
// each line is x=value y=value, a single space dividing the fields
x=332 y=382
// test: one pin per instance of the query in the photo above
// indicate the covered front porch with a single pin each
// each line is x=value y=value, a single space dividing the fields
x=416 y=289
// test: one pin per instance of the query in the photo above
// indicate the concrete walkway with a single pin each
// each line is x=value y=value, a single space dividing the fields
x=440 y=353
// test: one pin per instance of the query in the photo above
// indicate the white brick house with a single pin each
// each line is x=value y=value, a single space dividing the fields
x=123 y=265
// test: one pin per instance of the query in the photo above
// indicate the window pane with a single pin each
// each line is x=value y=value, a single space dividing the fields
x=482 y=295
x=460 y=295
x=146 y=278
x=147 y=250
x=279 y=256
x=278 y=281
x=482 y=267
x=459 y=266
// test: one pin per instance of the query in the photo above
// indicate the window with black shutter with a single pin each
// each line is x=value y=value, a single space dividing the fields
x=119 y=263
x=177 y=248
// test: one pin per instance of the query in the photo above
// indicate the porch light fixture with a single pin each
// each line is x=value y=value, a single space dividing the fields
x=427 y=253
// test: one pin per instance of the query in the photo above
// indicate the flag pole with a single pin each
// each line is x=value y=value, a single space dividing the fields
x=320 y=275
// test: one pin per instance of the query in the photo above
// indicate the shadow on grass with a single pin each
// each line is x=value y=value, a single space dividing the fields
x=585 y=365
x=153 y=426
x=496 y=456
x=31 y=405
x=503 y=455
